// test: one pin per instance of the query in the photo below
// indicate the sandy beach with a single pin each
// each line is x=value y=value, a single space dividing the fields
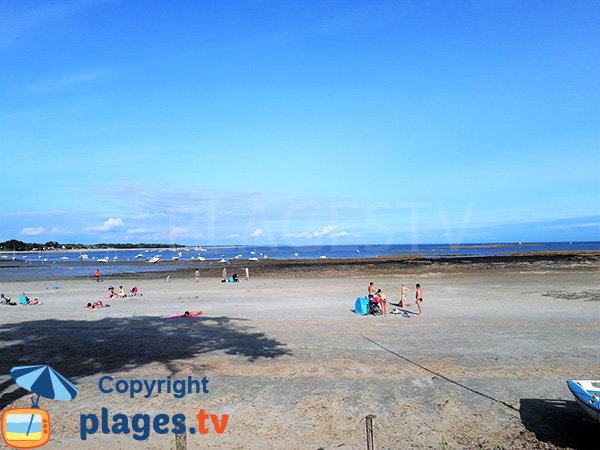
x=295 y=368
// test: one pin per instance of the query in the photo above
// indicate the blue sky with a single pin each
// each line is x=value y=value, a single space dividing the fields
x=327 y=122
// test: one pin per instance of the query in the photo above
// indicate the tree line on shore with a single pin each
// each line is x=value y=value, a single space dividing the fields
x=20 y=246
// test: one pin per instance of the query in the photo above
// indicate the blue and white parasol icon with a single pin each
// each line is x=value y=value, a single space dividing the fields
x=45 y=382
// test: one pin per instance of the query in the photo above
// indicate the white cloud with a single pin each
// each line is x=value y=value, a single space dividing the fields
x=180 y=232
x=577 y=225
x=57 y=230
x=177 y=232
x=32 y=231
x=112 y=224
x=327 y=230
x=340 y=234
x=138 y=231
x=257 y=233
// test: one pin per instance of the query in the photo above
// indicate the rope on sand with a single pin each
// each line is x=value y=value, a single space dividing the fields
x=439 y=375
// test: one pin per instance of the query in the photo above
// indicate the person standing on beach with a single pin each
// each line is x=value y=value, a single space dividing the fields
x=247 y=270
x=224 y=273
x=419 y=298
x=383 y=300
x=98 y=275
x=403 y=303
x=197 y=275
x=371 y=290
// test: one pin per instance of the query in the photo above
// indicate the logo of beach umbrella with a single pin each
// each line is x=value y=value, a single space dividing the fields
x=30 y=427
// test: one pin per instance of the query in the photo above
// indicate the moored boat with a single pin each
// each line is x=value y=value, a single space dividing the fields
x=587 y=394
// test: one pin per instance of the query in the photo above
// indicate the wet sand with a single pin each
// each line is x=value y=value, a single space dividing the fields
x=484 y=367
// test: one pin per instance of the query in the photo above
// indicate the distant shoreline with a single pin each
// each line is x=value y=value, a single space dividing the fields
x=401 y=265
x=171 y=247
x=585 y=260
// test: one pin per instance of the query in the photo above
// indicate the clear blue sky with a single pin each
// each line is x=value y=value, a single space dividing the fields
x=329 y=122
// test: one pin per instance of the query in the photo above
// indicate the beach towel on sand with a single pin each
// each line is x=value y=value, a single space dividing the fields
x=361 y=306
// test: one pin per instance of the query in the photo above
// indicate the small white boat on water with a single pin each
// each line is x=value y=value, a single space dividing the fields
x=223 y=260
x=83 y=256
x=153 y=259
x=587 y=394
x=323 y=257
x=139 y=256
x=64 y=258
x=103 y=260
x=253 y=259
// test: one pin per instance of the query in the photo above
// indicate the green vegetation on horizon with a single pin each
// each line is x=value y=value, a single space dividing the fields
x=20 y=246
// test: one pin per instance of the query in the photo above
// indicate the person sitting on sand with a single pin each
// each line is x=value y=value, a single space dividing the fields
x=121 y=293
x=197 y=275
x=419 y=298
x=133 y=292
x=6 y=301
x=111 y=292
x=403 y=302
x=25 y=301
x=371 y=290
x=383 y=300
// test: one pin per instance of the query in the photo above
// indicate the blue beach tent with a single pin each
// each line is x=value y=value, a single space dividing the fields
x=361 y=306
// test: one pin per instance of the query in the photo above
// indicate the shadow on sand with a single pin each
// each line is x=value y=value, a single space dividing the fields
x=559 y=422
x=83 y=348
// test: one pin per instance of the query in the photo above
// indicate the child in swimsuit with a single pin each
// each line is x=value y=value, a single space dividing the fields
x=403 y=302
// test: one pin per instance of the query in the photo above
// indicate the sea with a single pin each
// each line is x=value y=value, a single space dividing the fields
x=15 y=266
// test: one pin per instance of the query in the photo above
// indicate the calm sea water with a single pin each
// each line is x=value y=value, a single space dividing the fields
x=48 y=265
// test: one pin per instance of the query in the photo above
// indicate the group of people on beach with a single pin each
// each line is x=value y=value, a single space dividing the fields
x=97 y=304
x=224 y=279
x=24 y=300
x=134 y=292
x=234 y=277
x=378 y=296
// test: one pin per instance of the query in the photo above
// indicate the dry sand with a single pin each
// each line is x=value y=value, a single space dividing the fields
x=484 y=367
